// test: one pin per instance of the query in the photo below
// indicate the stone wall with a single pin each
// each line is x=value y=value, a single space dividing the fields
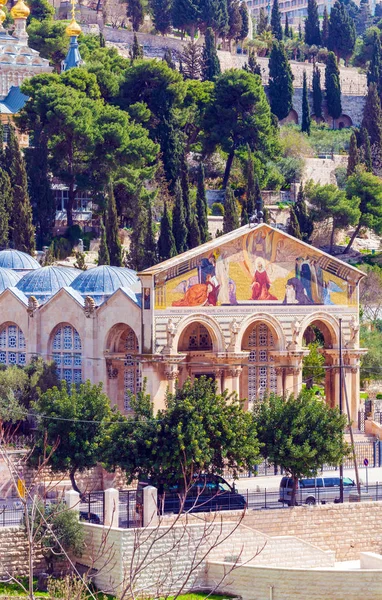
x=257 y=583
x=14 y=553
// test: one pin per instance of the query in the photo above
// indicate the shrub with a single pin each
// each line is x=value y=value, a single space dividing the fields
x=217 y=209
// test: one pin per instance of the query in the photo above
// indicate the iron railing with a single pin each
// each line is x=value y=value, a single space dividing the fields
x=92 y=507
x=130 y=515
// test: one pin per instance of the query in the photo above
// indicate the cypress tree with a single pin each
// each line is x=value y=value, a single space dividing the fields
x=231 y=219
x=171 y=143
x=40 y=192
x=353 y=158
x=374 y=74
x=150 y=245
x=372 y=116
x=194 y=233
x=312 y=25
x=304 y=221
x=244 y=21
x=215 y=15
x=167 y=57
x=317 y=93
x=276 y=28
x=201 y=206
x=103 y=252
x=135 y=12
x=341 y=38
x=252 y=65
x=161 y=15
x=280 y=81
x=244 y=219
x=262 y=24
x=136 y=51
x=211 y=63
x=293 y=226
x=251 y=186
x=234 y=20
x=286 y=28
x=325 y=28
x=299 y=32
x=137 y=251
x=333 y=87
x=112 y=230
x=5 y=196
x=185 y=184
x=305 y=120
x=366 y=150
x=21 y=225
x=259 y=204
x=166 y=240
x=363 y=19
x=179 y=227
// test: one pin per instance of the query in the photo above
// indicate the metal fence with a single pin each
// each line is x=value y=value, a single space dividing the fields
x=92 y=507
x=129 y=514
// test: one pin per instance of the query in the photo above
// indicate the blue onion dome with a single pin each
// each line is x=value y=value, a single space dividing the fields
x=102 y=282
x=17 y=260
x=8 y=278
x=46 y=281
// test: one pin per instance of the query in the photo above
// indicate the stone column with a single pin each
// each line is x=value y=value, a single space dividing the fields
x=111 y=516
x=171 y=374
x=72 y=500
x=219 y=378
x=232 y=380
x=150 y=506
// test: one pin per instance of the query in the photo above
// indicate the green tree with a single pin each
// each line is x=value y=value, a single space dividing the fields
x=312 y=25
x=368 y=189
x=353 y=159
x=21 y=223
x=161 y=15
x=333 y=87
x=49 y=39
x=197 y=432
x=252 y=66
x=135 y=12
x=150 y=245
x=77 y=418
x=244 y=21
x=262 y=24
x=286 y=27
x=40 y=191
x=328 y=202
x=194 y=233
x=342 y=35
x=186 y=15
x=366 y=150
x=276 y=27
x=305 y=119
x=317 y=93
x=215 y=15
x=313 y=369
x=371 y=361
x=293 y=226
x=13 y=386
x=300 y=434
x=185 y=185
x=40 y=10
x=280 y=81
x=239 y=115
x=193 y=61
x=363 y=19
x=201 y=206
x=235 y=23
x=166 y=240
x=303 y=217
x=136 y=51
x=231 y=219
x=251 y=184
x=112 y=230
x=372 y=117
x=103 y=252
x=179 y=227
x=167 y=57
x=211 y=63
x=5 y=203
x=325 y=28
x=374 y=74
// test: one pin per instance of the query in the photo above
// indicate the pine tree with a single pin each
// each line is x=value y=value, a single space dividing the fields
x=21 y=232
x=211 y=63
x=312 y=25
x=280 y=81
x=161 y=15
x=286 y=28
x=103 y=252
x=372 y=117
x=244 y=21
x=231 y=218
x=40 y=192
x=167 y=57
x=150 y=245
x=304 y=221
x=353 y=158
x=366 y=150
x=262 y=24
x=342 y=35
x=276 y=28
x=325 y=28
x=136 y=51
x=251 y=185
x=166 y=240
x=201 y=207
x=191 y=61
x=333 y=87
x=112 y=229
x=317 y=93
x=179 y=227
x=252 y=66
x=293 y=226
x=374 y=74
x=305 y=119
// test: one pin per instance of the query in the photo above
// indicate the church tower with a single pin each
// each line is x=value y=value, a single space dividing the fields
x=73 y=30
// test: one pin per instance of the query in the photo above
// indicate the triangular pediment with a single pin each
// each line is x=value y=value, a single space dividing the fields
x=253 y=265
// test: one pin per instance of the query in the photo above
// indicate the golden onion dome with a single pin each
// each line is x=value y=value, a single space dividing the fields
x=3 y=16
x=73 y=29
x=20 y=10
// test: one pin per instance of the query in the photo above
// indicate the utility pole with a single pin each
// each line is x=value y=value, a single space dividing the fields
x=341 y=407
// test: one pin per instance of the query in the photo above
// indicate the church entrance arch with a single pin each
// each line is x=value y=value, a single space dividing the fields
x=259 y=377
x=199 y=345
x=122 y=365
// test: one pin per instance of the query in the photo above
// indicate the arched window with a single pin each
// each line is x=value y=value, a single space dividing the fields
x=66 y=352
x=195 y=337
x=12 y=346
x=262 y=378
x=123 y=348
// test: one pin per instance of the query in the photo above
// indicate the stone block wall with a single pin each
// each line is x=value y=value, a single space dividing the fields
x=14 y=553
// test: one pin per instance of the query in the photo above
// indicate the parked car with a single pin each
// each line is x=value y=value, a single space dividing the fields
x=315 y=490
x=89 y=517
x=207 y=493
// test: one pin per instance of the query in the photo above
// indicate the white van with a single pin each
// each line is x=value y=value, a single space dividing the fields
x=315 y=490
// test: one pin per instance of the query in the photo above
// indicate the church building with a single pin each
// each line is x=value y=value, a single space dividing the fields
x=238 y=309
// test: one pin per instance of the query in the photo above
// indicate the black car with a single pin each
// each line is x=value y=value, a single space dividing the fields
x=89 y=517
x=206 y=494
